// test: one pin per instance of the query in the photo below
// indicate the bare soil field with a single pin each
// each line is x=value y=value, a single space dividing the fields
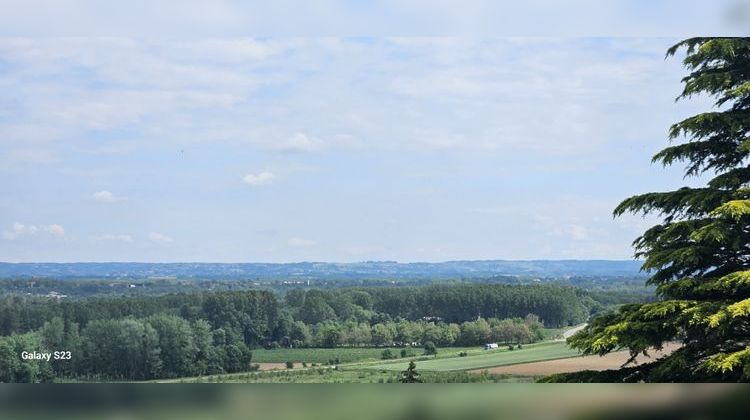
x=574 y=364
x=276 y=366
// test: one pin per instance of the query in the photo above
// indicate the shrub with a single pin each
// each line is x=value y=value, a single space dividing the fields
x=407 y=352
x=429 y=348
x=290 y=365
x=387 y=354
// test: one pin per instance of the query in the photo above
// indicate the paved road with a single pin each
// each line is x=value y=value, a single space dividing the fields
x=572 y=331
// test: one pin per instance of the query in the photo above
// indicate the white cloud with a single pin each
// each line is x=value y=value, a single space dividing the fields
x=300 y=142
x=492 y=91
x=234 y=50
x=300 y=242
x=55 y=230
x=159 y=238
x=115 y=108
x=578 y=232
x=20 y=229
x=35 y=156
x=464 y=113
x=262 y=178
x=106 y=197
x=117 y=238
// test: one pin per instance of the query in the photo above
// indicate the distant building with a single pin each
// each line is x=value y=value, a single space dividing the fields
x=490 y=346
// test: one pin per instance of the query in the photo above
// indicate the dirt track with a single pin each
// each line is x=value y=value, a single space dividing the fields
x=276 y=366
x=574 y=364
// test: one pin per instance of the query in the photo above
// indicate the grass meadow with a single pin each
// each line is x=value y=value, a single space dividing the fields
x=499 y=357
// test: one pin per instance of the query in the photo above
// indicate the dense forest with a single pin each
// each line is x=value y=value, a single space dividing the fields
x=632 y=286
x=174 y=335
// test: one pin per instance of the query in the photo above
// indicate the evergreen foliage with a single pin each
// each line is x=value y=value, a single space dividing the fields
x=410 y=375
x=698 y=256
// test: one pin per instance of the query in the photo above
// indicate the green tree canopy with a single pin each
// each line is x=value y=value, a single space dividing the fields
x=316 y=310
x=429 y=348
x=699 y=254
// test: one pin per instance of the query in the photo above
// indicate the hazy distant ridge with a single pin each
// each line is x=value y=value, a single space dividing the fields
x=320 y=270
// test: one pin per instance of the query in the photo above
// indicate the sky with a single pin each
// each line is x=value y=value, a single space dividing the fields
x=237 y=149
x=197 y=18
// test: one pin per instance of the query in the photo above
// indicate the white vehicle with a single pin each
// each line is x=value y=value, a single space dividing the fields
x=490 y=346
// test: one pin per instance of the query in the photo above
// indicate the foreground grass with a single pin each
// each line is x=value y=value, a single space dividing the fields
x=345 y=375
x=300 y=376
x=500 y=357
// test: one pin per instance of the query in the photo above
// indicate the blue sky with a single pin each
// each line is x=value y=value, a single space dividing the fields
x=337 y=149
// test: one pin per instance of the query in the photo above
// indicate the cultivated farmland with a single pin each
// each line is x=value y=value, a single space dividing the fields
x=502 y=357
x=346 y=354
x=606 y=362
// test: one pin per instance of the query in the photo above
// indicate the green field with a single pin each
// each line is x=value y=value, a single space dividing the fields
x=353 y=374
x=363 y=365
x=362 y=354
x=501 y=357
x=300 y=376
x=346 y=354
x=315 y=355
x=554 y=333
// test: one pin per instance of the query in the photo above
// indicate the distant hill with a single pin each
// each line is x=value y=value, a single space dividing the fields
x=323 y=270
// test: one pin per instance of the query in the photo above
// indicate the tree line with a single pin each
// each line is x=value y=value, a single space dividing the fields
x=187 y=334
x=261 y=316
x=555 y=305
x=168 y=346
x=159 y=346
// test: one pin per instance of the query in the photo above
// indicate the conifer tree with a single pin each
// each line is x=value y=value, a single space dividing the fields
x=698 y=256
x=410 y=375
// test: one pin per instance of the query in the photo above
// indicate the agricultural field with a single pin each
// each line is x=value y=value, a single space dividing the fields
x=349 y=354
x=364 y=364
x=500 y=357
x=550 y=367
x=319 y=355
x=554 y=333
x=362 y=354
x=446 y=367
x=353 y=374
x=300 y=376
